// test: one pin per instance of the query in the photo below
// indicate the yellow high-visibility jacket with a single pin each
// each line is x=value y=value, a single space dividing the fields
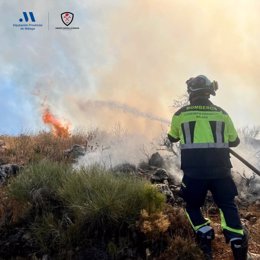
x=205 y=132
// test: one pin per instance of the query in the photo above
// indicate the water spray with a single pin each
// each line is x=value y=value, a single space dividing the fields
x=117 y=106
x=131 y=110
x=244 y=161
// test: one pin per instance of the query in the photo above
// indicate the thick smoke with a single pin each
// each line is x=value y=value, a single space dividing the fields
x=137 y=53
x=114 y=148
x=130 y=59
x=247 y=181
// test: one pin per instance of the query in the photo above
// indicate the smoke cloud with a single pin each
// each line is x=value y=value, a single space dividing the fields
x=131 y=58
x=113 y=149
x=126 y=65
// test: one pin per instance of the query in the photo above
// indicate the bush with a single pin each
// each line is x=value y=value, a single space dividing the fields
x=43 y=175
x=180 y=249
x=180 y=225
x=153 y=225
x=48 y=233
x=105 y=200
x=71 y=208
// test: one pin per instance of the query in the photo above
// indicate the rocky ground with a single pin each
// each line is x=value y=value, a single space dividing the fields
x=251 y=219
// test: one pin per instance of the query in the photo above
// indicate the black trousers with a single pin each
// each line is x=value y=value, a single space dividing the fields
x=223 y=190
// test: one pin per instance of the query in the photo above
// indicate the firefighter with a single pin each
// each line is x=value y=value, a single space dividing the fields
x=206 y=132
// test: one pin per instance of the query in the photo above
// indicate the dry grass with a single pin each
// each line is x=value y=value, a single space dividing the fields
x=11 y=209
x=26 y=148
x=182 y=248
x=153 y=225
x=180 y=225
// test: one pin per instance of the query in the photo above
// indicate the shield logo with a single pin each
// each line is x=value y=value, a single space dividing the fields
x=67 y=18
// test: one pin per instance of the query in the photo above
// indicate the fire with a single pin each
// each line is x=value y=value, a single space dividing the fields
x=59 y=128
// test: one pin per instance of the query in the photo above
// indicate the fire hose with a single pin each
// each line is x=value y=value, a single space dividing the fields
x=249 y=165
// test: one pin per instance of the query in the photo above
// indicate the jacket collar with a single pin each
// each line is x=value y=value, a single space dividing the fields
x=201 y=102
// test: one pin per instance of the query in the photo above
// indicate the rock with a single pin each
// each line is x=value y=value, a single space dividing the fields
x=156 y=160
x=165 y=189
x=44 y=199
x=75 y=151
x=160 y=176
x=144 y=166
x=255 y=256
x=253 y=220
x=8 y=170
x=175 y=189
x=125 y=168
x=40 y=196
x=257 y=203
x=248 y=215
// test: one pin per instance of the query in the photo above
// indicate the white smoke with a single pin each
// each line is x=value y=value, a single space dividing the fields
x=137 y=53
x=115 y=148
x=248 y=182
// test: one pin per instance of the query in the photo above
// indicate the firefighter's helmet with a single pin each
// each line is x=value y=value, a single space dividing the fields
x=201 y=85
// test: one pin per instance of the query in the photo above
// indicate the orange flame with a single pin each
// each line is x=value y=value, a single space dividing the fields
x=58 y=128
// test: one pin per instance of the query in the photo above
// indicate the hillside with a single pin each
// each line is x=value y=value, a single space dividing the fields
x=66 y=198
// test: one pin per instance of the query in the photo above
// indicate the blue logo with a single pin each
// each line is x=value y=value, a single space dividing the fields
x=27 y=22
x=26 y=18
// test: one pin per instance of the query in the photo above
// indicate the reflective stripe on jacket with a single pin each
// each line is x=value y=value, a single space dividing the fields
x=205 y=132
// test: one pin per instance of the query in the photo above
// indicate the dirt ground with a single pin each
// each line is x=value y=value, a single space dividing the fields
x=251 y=219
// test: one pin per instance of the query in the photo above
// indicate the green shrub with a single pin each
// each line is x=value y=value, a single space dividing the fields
x=48 y=233
x=45 y=174
x=104 y=199
x=73 y=207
